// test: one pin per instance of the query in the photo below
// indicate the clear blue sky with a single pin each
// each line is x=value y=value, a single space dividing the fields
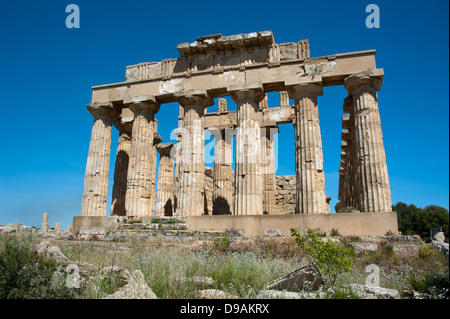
x=47 y=71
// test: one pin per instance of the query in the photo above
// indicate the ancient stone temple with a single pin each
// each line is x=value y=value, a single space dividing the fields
x=244 y=67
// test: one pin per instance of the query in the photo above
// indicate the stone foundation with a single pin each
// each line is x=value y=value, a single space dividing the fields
x=357 y=224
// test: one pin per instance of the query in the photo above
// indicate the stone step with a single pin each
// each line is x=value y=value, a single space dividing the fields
x=128 y=233
x=178 y=226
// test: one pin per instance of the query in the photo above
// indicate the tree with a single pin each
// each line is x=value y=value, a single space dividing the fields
x=413 y=220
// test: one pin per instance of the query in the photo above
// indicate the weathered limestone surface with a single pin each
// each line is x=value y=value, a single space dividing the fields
x=245 y=67
x=57 y=229
x=192 y=164
x=371 y=168
x=121 y=167
x=268 y=169
x=248 y=175
x=311 y=197
x=208 y=192
x=140 y=186
x=164 y=194
x=97 y=166
x=223 y=173
x=44 y=227
x=286 y=194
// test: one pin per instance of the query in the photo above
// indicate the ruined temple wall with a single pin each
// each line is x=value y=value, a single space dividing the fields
x=285 y=194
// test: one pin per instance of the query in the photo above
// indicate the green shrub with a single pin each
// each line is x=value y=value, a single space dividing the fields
x=221 y=243
x=26 y=275
x=435 y=285
x=334 y=232
x=329 y=257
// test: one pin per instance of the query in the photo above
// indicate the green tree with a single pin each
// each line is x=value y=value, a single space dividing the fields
x=413 y=220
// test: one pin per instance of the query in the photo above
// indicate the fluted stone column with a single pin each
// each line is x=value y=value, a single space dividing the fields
x=164 y=192
x=157 y=139
x=140 y=189
x=178 y=134
x=223 y=173
x=248 y=199
x=121 y=167
x=190 y=200
x=374 y=194
x=268 y=167
x=97 y=166
x=311 y=198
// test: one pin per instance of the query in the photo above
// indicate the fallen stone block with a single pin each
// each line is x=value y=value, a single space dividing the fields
x=136 y=288
x=378 y=292
x=306 y=277
x=440 y=246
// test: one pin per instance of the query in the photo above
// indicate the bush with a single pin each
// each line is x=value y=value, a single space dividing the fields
x=26 y=275
x=330 y=258
x=436 y=285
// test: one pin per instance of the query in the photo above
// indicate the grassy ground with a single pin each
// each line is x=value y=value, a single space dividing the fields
x=239 y=267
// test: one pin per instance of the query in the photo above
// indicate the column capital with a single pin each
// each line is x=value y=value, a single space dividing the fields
x=103 y=109
x=164 y=149
x=252 y=91
x=157 y=139
x=367 y=77
x=194 y=97
x=298 y=87
x=123 y=126
x=142 y=103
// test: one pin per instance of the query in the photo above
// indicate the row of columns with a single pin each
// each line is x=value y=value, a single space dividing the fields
x=364 y=183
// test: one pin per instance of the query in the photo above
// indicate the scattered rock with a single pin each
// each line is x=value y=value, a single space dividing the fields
x=440 y=246
x=305 y=277
x=47 y=249
x=440 y=237
x=215 y=294
x=136 y=288
x=92 y=231
x=272 y=232
x=276 y=294
x=377 y=292
x=363 y=247
x=122 y=273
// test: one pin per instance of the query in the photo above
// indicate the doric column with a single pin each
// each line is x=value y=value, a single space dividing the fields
x=374 y=194
x=97 y=166
x=223 y=173
x=311 y=198
x=192 y=164
x=178 y=134
x=140 y=186
x=248 y=199
x=268 y=168
x=156 y=140
x=121 y=168
x=164 y=192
